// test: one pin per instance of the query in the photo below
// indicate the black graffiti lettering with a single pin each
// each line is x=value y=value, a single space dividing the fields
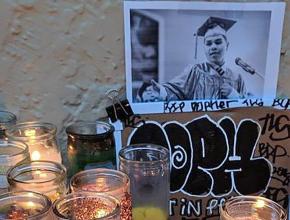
x=211 y=105
x=181 y=154
x=170 y=107
x=173 y=202
x=149 y=133
x=240 y=168
x=282 y=175
x=210 y=150
x=220 y=160
x=253 y=102
x=279 y=195
x=271 y=152
x=133 y=121
x=283 y=103
x=279 y=124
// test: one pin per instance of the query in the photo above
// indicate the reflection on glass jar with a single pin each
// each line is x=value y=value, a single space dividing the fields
x=40 y=138
x=86 y=206
x=25 y=205
x=7 y=119
x=112 y=182
x=90 y=145
x=11 y=154
x=44 y=177
x=148 y=169
x=251 y=207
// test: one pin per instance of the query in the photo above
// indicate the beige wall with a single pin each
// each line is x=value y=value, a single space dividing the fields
x=58 y=58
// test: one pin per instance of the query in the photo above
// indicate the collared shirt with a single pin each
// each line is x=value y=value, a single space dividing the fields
x=202 y=81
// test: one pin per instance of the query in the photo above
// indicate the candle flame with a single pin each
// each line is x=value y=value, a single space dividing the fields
x=260 y=203
x=35 y=155
x=101 y=213
x=29 y=133
x=30 y=204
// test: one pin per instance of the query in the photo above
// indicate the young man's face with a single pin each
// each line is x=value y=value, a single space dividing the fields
x=215 y=48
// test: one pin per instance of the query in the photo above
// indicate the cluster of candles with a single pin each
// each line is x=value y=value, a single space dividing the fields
x=34 y=182
x=34 y=186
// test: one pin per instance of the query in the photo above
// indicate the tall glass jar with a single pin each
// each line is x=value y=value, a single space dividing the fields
x=86 y=206
x=11 y=154
x=25 y=205
x=101 y=180
x=40 y=138
x=90 y=145
x=7 y=119
x=46 y=177
x=251 y=207
x=147 y=166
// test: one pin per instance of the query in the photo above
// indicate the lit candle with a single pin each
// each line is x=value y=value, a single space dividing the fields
x=11 y=153
x=251 y=208
x=45 y=177
x=85 y=206
x=101 y=180
x=40 y=138
x=25 y=205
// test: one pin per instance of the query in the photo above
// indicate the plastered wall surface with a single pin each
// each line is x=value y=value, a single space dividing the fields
x=58 y=58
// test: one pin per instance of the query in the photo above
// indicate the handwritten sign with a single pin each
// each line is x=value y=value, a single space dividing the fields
x=218 y=155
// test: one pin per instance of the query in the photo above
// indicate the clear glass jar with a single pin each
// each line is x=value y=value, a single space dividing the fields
x=86 y=206
x=46 y=177
x=90 y=145
x=251 y=207
x=147 y=166
x=40 y=138
x=25 y=205
x=7 y=119
x=11 y=154
x=112 y=182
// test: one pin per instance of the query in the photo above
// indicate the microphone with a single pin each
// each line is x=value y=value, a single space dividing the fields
x=245 y=66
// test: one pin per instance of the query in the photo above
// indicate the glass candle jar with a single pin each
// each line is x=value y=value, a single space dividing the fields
x=84 y=206
x=44 y=177
x=148 y=169
x=25 y=206
x=90 y=145
x=7 y=119
x=112 y=182
x=11 y=153
x=251 y=208
x=40 y=138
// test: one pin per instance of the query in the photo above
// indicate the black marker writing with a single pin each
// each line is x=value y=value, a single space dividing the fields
x=170 y=107
x=276 y=124
x=271 y=152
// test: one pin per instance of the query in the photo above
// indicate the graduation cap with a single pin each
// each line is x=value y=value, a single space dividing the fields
x=213 y=26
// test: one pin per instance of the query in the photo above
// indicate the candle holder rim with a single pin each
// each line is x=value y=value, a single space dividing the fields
x=102 y=172
x=12 y=115
x=110 y=131
x=85 y=195
x=51 y=130
x=46 y=209
x=133 y=147
x=16 y=144
x=268 y=203
x=59 y=166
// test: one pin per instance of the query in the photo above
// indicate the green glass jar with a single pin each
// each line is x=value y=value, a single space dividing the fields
x=90 y=145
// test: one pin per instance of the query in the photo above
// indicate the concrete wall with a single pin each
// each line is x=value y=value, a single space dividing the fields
x=58 y=58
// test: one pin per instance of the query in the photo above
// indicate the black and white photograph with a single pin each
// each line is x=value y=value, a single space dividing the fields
x=184 y=51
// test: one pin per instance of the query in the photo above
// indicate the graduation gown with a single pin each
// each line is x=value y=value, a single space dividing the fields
x=202 y=81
